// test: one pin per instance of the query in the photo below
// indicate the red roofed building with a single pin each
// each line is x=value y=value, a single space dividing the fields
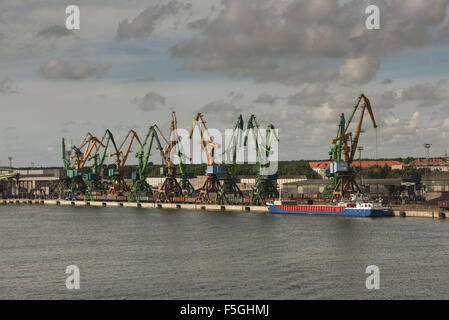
x=320 y=167
x=433 y=164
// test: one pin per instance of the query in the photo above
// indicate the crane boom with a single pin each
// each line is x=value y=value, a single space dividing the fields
x=158 y=133
x=93 y=142
x=144 y=156
x=109 y=138
x=262 y=145
x=236 y=140
x=120 y=163
x=128 y=149
x=89 y=143
x=366 y=105
x=199 y=123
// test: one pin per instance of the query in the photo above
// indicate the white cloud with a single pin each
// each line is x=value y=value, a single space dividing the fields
x=359 y=70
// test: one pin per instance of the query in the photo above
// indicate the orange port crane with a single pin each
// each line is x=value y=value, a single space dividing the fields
x=119 y=185
x=208 y=147
x=345 y=173
x=88 y=144
x=170 y=188
x=212 y=184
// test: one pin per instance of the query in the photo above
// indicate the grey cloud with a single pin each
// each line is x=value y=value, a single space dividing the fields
x=384 y=100
x=60 y=69
x=218 y=106
x=423 y=94
x=312 y=94
x=54 y=31
x=144 y=24
x=235 y=97
x=199 y=24
x=224 y=111
x=426 y=94
x=265 y=98
x=151 y=101
x=386 y=81
x=269 y=41
x=7 y=86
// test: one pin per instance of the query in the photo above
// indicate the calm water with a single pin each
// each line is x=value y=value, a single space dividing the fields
x=126 y=253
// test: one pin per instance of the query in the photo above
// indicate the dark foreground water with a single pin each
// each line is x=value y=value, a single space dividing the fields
x=125 y=253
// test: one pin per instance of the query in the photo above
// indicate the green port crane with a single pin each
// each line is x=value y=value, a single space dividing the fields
x=94 y=178
x=186 y=186
x=335 y=156
x=265 y=186
x=229 y=185
x=345 y=183
x=65 y=156
x=139 y=177
x=74 y=183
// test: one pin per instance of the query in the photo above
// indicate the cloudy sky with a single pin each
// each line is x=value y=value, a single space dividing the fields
x=296 y=64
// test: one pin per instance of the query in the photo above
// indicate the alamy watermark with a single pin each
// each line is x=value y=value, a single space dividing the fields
x=372 y=22
x=73 y=21
x=73 y=280
x=373 y=280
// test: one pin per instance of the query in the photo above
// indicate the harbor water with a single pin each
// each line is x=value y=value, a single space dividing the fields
x=136 y=253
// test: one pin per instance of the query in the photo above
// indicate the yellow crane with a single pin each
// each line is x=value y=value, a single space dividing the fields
x=88 y=144
x=118 y=181
x=170 y=188
x=212 y=183
x=346 y=184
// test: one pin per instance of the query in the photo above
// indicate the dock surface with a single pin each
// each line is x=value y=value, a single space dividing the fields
x=149 y=205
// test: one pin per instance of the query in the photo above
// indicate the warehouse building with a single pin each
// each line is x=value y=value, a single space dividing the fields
x=30 y=182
